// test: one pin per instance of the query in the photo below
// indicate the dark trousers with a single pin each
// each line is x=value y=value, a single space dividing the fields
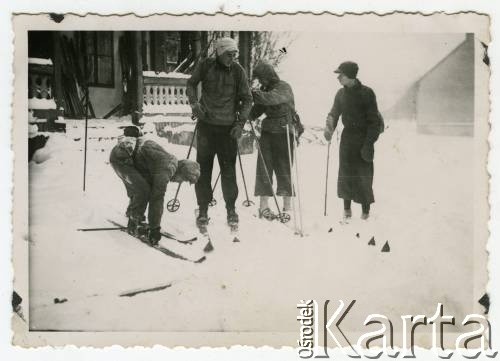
x=140 y=193
x=215 y=140
x=274 y=150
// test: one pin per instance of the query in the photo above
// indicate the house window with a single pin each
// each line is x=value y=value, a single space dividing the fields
x=99 y=45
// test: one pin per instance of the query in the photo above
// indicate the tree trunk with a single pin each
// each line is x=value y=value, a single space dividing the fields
x=245 y=50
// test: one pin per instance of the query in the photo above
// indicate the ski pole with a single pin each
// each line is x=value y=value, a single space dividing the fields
x=291 y=177
x=283 y=217
x=213 y=202
x=101 y=229
x=174 y=204
x=294 y=144
x=247 y=202
x=326 y=178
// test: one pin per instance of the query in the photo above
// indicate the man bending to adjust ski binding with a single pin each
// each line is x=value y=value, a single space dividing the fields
x=145 y=168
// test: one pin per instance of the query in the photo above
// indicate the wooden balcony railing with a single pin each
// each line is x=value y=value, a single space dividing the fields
x=165 y=95
x=40 y=81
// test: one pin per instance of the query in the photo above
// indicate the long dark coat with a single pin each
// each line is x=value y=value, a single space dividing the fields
x=358 y=107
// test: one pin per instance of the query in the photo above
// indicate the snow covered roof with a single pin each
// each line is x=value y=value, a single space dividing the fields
x=162 y=74
x=40 y=61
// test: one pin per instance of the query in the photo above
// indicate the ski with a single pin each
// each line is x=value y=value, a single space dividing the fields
x=175 y=238
x=163 y=233
x=171 y=249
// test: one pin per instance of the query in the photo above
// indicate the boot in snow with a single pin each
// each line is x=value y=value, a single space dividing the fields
x=132 y=225
x=267 y=213
x=154 y=236
x=232 y=217
x=202 y=219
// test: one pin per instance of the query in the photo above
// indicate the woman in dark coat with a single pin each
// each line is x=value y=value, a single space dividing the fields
x=275 y=100
x=357 y=105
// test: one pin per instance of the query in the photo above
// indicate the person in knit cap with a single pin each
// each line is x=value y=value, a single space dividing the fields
x=357 y=105
x=221 y=112
x=275 y=100
x=145 y=169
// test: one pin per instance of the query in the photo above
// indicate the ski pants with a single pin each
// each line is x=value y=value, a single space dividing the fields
x=215 y=140
x=274 y=150
x=141 y=193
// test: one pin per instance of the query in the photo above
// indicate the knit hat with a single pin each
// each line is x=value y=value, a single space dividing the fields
x=225 y=44
x=131 y=131
x=188 y=170
x=348 y=68
x=264 y=70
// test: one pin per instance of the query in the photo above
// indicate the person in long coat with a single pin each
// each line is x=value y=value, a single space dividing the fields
x=357 y=104
x=275 y=100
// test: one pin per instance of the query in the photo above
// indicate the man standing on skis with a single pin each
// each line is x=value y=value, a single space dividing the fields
x=275 y=100
x=225 y=92
x=357 y=105
x=145 y=168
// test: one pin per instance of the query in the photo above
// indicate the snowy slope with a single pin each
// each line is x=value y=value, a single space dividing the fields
x=254 y=284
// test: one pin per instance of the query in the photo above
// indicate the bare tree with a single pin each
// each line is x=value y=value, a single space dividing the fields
x=270 y=46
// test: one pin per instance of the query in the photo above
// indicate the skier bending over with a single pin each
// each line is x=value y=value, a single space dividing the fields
x=275 y=100
x=145 y=168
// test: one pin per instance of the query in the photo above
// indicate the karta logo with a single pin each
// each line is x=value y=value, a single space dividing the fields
x=328 y=329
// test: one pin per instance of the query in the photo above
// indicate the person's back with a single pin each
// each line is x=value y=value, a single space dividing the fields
x=153 y=161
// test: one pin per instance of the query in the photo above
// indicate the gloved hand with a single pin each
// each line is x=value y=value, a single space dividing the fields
x=327 y=134
x=367 y=152
x=236 y=131
x=198 y=111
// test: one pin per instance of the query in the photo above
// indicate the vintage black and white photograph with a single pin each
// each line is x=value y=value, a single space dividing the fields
x=206 y=179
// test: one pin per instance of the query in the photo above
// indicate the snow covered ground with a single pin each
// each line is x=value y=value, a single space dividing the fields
x=424 y=209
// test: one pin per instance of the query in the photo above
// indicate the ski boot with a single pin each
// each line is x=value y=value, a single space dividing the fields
x=132 y=225
x=154 y=236
x=232 y=219
x=266 y=213
x=365 y=216
x=202 y=220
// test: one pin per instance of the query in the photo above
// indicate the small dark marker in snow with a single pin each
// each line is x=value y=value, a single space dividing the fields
x=372 y=242
x=485 y=302
x=357 y=235
x=330 y=230
x=209 y=247
x=386 y=247
x=62 y=300
x=76 y=139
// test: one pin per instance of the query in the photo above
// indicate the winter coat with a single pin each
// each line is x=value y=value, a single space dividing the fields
x=154 y=163
x=225 y=91
x=358 y=107
x=121 y=154
x=275 y=100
